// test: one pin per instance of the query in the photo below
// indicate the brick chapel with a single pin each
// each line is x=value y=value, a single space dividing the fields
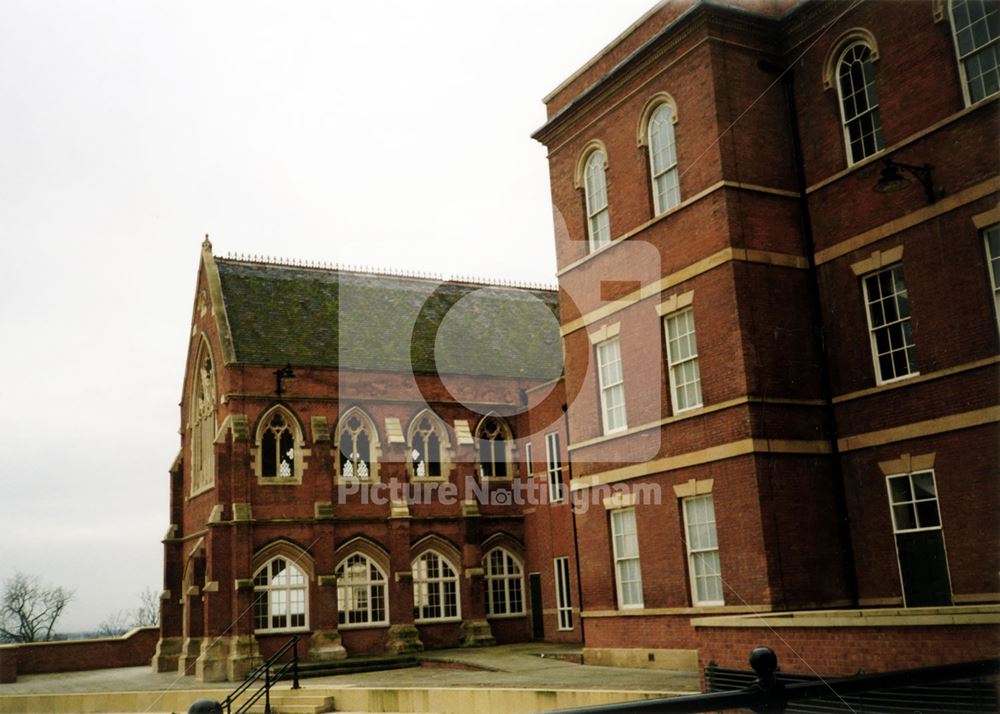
x=762 y=402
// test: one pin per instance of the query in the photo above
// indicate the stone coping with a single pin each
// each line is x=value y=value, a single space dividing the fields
x=873 y=617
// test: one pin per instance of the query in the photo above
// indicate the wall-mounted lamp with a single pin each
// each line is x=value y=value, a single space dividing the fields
x=281 y=374
x=892 y=178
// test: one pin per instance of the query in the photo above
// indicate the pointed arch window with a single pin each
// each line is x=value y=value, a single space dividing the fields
x=435 y=589
x=493 y=439
x=279 y=448
x=427 y=447
x=356 y=442
x=203 y=425
x=277 y=445
x=504 y=583
x=361 y=592
x=280 y=589
x=595 y=189
x=975 y=25
x=663 y=159
x=858 y=102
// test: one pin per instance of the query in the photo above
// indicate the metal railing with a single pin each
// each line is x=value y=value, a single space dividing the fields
x=767 y=693
x=271 y=673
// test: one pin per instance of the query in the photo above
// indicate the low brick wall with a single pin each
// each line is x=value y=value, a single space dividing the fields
x=130 y=650
x=844 y=643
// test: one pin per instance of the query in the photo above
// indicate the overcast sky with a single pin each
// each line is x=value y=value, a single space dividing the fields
x=380 y=133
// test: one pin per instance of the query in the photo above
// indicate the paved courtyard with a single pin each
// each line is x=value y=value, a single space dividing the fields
x=526 y=666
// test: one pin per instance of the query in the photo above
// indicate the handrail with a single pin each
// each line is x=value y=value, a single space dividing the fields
x=269 y=679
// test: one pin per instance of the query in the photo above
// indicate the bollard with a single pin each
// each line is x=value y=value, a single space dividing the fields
x=765 y=663
x=205 y=706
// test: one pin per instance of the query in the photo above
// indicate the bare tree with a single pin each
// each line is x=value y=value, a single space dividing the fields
x=115 y=625
x=148 y=612
x=29 y=609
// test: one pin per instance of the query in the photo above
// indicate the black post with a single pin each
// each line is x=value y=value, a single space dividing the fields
x=267 y=690
x=295 y=663
x=765 y=663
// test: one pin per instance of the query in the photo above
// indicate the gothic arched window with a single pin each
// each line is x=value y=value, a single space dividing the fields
x=278 y=446
x=504 y=583
x=203 y=423
x=427 y=447
x=361 y=592
x=356 y=442
x=280 y=589
x=435 y=588
x=493 y=440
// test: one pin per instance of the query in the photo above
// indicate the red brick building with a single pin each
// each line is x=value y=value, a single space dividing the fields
x=777 y=240
x=777 y=244
x=348 y=465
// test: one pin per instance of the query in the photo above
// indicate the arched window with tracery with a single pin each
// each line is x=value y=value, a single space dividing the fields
x=504 y=583
x=428 y=456
x=435 y=588
x=203 y=424
x=493 y=439
x=859 y=102
x=595 y=191
x=361 y=592
x=278 y=448
x=356 y=442
x=975 y=26
x=280 y=589
x=663 y=159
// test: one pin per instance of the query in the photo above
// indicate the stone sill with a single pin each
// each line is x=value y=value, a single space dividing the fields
x=887 y=617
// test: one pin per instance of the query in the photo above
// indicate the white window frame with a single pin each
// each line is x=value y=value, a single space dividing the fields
x=692 y=552
x=436 y=583
x=871 y=101
x=554 y=468
x=661 y=133
x=607 y=390
x=873 y=340
x=510 y=581
x=287 y=589
x=528 y=459
x=993 y=266
x=366 y=585
x=962 y=70
x=913 y=501
x=675 y=363
x=616 y=517
x=595 y=192
x=564 y=596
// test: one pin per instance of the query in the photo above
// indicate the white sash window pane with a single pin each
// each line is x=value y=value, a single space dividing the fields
x=596 y=198
x=663 y=159
x=704 y=567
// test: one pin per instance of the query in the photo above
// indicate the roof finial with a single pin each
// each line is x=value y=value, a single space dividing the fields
x=206 y=244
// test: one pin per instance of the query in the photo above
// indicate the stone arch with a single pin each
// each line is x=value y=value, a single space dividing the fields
x=581 y=162
x=651 y=105
x=847 y=38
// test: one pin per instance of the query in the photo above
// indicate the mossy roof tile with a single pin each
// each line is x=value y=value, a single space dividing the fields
x=339 y=319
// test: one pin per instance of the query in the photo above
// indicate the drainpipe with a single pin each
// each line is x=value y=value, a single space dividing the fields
x=576 y=541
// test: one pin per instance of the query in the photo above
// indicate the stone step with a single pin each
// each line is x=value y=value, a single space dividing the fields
x=285 y=702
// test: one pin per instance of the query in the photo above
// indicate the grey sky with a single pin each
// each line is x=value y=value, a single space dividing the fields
x=377 y=133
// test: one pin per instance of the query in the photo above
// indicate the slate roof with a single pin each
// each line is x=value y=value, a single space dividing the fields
x=321 y=317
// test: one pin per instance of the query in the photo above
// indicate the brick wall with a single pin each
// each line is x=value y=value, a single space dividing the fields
x=131 y=650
